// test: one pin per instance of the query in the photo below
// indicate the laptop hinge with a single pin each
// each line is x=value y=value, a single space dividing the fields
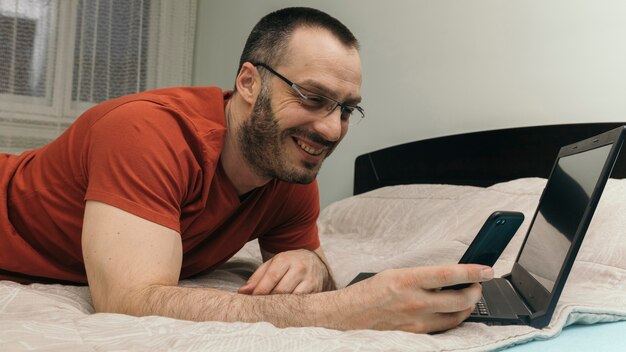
x=515 y=299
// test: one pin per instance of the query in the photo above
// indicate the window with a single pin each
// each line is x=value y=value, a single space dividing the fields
x=60 y=57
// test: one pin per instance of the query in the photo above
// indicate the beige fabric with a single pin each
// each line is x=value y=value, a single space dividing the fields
x=392 y=227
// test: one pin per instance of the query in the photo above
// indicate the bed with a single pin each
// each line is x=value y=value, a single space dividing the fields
x=414 y=204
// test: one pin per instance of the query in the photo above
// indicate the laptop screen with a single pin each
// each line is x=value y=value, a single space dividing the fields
x=564 y=201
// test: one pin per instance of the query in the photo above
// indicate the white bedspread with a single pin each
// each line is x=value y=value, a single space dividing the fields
x=387 y=228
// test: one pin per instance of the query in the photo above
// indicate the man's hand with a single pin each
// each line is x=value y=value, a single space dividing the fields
x=411 y=299
x=299 y=271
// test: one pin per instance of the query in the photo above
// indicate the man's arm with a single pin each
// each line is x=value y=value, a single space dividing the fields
x=133 y=267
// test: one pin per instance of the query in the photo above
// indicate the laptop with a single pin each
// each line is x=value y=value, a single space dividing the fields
x=529 y=293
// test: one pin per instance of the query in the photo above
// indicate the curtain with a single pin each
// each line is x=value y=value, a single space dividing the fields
x=60 y=57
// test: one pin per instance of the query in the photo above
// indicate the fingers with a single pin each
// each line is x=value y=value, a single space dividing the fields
x=293 y=281
x=299 y=271
x=276 y=278
x=440 y=276
x=306 y=286
x=254 y=279
x=449 y=301
x=271 y=277
x=288 y=282
x=447 y=321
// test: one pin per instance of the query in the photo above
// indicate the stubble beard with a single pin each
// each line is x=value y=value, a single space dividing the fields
x=262 y=142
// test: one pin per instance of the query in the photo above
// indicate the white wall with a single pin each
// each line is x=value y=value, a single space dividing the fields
x=439 y=67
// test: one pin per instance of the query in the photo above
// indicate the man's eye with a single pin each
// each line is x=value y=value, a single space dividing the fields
x=315 y=99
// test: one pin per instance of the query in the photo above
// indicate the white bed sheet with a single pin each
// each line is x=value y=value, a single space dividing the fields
x=387 y=228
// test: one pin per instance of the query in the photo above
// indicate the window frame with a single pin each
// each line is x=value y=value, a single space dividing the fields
x=173 y=44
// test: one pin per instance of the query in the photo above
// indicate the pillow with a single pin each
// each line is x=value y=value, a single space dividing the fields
x=413 y=225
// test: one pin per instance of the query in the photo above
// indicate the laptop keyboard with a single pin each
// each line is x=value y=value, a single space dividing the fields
x=481 y=308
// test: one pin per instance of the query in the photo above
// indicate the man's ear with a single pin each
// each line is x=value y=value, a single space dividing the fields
x=248 y=83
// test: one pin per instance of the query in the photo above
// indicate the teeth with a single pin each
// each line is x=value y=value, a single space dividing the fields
x=307 y=148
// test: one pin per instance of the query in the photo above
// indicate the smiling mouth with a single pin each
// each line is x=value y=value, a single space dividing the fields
x=309 y=149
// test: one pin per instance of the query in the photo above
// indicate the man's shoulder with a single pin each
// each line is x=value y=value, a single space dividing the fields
x=203 y=106
x=185 y=121
x=191 y=102
x=177 y=96
x=197 y=112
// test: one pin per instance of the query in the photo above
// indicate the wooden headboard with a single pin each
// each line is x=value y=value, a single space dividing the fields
x=476 y=159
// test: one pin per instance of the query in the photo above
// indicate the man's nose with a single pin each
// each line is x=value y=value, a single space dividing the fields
x=330 y=127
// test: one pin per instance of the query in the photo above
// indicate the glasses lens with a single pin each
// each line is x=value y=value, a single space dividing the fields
x=320 y=104
x=315 y=103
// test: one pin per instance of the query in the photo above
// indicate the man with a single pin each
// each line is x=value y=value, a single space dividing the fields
x=166 y=184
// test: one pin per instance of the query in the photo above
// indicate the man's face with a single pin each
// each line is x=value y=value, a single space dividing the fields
x=284 y=140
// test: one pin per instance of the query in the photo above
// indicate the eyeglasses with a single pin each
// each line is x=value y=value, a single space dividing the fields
x=318 y=103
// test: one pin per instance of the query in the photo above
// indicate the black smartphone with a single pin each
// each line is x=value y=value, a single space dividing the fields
x=491 y=240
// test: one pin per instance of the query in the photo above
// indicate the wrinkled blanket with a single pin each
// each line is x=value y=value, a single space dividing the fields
x=392 y=227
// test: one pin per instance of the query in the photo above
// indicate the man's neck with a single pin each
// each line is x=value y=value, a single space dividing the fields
x=237 y=169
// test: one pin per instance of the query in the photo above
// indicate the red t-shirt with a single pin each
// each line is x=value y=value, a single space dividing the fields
x=156 y=155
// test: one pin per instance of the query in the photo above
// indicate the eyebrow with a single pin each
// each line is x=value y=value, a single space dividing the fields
x=320 y=89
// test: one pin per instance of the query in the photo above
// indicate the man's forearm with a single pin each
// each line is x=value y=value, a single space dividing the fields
x=206 y=304
x=399 y=299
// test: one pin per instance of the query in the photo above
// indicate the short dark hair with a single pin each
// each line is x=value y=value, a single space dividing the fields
x=268 y=40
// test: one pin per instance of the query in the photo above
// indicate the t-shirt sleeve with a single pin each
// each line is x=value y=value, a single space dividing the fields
x=298 y=226
x=137 y=159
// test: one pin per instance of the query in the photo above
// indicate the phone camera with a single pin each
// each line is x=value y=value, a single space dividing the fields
x=500 y=222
